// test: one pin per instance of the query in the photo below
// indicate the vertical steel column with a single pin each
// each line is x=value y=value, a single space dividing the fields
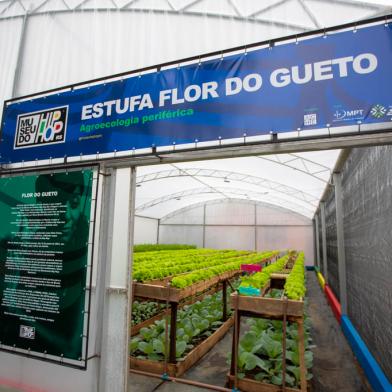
x=159 y=224
x=324 y=241
x=19 y=59
x=204 y=226
x=114 y=361
x=337 y=180
x=255 y=221
x=317 y=239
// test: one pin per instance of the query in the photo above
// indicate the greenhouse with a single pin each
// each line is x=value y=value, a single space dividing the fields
x=195 y=195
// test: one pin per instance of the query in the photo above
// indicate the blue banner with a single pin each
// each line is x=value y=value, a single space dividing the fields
x=341 y=79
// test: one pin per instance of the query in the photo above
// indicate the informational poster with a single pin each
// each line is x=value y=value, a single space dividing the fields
x=338 y=80
x=44 y=250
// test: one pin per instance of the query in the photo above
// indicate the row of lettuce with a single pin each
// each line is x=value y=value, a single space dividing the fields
x=186 y=267
x=294 y=287
x=260 y=355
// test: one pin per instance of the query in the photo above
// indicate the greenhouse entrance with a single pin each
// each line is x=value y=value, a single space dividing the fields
x=241 y=209
x=187 y=224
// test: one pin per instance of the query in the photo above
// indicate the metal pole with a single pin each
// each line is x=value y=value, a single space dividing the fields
x=131 y=232
x=204 y=226
x=324 y=241
x=337 y=180
x=317 y=239
x=159 y=225
x=18 y=67
x=255 y=227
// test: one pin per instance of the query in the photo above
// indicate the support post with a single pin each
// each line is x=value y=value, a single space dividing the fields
x=337 y=179
x=301 y=352
x=317 y=239
x=324 y=241
x=173 y=332
x=234 y=345
x=19 y=60
x=204 y=226
x=255 y=222
x=159 y=224
x=224 y=300
x=114 y=366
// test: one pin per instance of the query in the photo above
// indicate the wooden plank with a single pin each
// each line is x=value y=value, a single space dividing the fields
x=301 y=354
x=176 y=370
x=268 y=306
x=172 y=294
x=152 y=366
x=200 y=350
x=249 y=385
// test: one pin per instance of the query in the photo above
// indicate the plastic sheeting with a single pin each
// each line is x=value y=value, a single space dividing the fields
x=367 y=209
x=332 y=248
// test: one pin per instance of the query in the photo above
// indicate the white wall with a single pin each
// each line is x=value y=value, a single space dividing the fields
x=146 y=230
x=239 y=224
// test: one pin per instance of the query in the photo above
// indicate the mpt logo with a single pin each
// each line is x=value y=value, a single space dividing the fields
x=345 y=115
x=41 y=128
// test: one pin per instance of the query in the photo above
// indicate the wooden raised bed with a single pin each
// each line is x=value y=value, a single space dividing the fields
x=269 y=308
x=249 y=385
x=160 y=290
x=137 y=327
x=179 y=368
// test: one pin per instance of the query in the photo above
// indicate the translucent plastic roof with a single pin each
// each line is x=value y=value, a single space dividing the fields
x=86 y=39
x=292 y=181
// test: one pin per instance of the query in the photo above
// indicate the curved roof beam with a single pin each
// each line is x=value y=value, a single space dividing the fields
x=250 y=195
x=232 y=176
x=84 y=7
x=306 y=166
x=219 y=200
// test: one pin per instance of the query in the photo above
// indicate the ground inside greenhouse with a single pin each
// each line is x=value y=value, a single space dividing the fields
x=335 y=368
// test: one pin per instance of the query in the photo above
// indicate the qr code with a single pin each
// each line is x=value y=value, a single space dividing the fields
x=310 y=119
x=27 y=332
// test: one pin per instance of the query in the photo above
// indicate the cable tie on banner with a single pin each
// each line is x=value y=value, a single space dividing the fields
x=296 y=39
x=325 y=33
x=221 y=59
x=386 y=22
x=199 y=63
x=329 y=129
x=271 y=45
x=355 y=28
x=245 y=51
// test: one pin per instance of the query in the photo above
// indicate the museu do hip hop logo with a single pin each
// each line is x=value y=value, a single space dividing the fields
x=41 y=128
